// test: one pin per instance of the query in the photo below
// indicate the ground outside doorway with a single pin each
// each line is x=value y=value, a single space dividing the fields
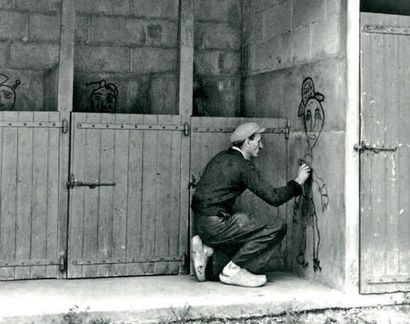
x=166 y=299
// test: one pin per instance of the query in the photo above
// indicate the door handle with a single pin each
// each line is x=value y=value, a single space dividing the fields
x=375 y=149
x=73 y=182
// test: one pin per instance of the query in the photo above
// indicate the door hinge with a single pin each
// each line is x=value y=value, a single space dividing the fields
x=362 y=146
x=62 y=262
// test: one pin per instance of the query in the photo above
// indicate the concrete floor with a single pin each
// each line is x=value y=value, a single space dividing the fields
x=163 y=298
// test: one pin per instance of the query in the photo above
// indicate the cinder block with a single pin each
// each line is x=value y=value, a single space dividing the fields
x=117 y=30
x=252 y=28
x=38 y=5
x=102 y=59
x=326 y=38
x=163 y=94
x=138 y=95
x=44 y=27
x=162 y=33
x=277 y=20
x=12 y=25
x=157 y=8
x=81 y=28
x=248 y=59
x=211 y=35
x=267 y=55
x=152 y=60
x=220 y=10
x=301 y=49
x=109 y=7
x=34 y=56
x=306 y=12
x=217 y=62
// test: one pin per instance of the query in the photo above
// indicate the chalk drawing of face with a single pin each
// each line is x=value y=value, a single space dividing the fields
x=314 y=120
x=312 y=111
x=7 y=94
x=104 y=98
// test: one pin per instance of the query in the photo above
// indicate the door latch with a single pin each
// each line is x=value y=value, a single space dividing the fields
x=375 y=149
x=73 y=182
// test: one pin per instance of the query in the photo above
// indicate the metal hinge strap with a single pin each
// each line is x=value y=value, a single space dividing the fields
x=382 y=29
x=126 y=126
x=28 y=263
x=388 y=279
x=271 y=130
x=41 y=124
x=152 y=259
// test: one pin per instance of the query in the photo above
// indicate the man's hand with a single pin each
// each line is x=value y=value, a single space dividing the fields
x=303 y=174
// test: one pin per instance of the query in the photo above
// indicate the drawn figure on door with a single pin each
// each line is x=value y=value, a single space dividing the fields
x=103 y=99
x=7 y=93
x=312 y=112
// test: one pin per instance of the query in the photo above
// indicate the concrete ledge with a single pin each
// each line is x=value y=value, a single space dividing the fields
x=165 y=298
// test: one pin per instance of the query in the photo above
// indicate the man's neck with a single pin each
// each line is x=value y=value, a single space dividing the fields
x=242 y=152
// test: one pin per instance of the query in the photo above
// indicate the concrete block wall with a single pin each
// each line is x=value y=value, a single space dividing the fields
x=132 y=44
x=282 y=33
x=217 y=57
x=29 y=51
x=285 y=42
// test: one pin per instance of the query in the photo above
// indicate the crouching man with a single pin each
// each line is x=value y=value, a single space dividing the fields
x=248 y=242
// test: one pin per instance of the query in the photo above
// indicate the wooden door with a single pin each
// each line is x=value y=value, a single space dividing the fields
x=33 y=165
x=385 y=154
x=139 y=226
x=210 y=135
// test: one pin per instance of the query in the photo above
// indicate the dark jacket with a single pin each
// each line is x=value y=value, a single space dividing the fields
x=229 y=174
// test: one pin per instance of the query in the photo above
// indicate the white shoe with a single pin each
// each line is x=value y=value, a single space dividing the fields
x=243 y=278
x=200 y=254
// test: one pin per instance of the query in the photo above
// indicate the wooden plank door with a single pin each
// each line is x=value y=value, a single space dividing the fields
x=139 y=225
x=33 y=168
x=384 y=167
x=210 y=135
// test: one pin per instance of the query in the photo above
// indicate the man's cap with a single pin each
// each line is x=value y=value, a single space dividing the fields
x=243 y=131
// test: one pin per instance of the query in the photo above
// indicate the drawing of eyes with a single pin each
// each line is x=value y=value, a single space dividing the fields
x=318 y=115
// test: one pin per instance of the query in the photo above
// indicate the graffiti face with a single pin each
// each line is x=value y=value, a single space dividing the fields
x=104 y=98
x=7 y=93
x=312 y=111
x=7 y=98
x=314 y=120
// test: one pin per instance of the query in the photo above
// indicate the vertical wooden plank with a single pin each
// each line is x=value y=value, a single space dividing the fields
x=149 y=180
x=75 y=235
x=391 y=121
x=403 y=170
x=66 y=68
x=174 y=192
x=120 y=195
x=8 y=207
x=134 y=222
x=186 y=58
x=24 y=189
x=91 y=207
x=162 y=194
x=52 y=243
x=39 y=195
x=105 y=220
